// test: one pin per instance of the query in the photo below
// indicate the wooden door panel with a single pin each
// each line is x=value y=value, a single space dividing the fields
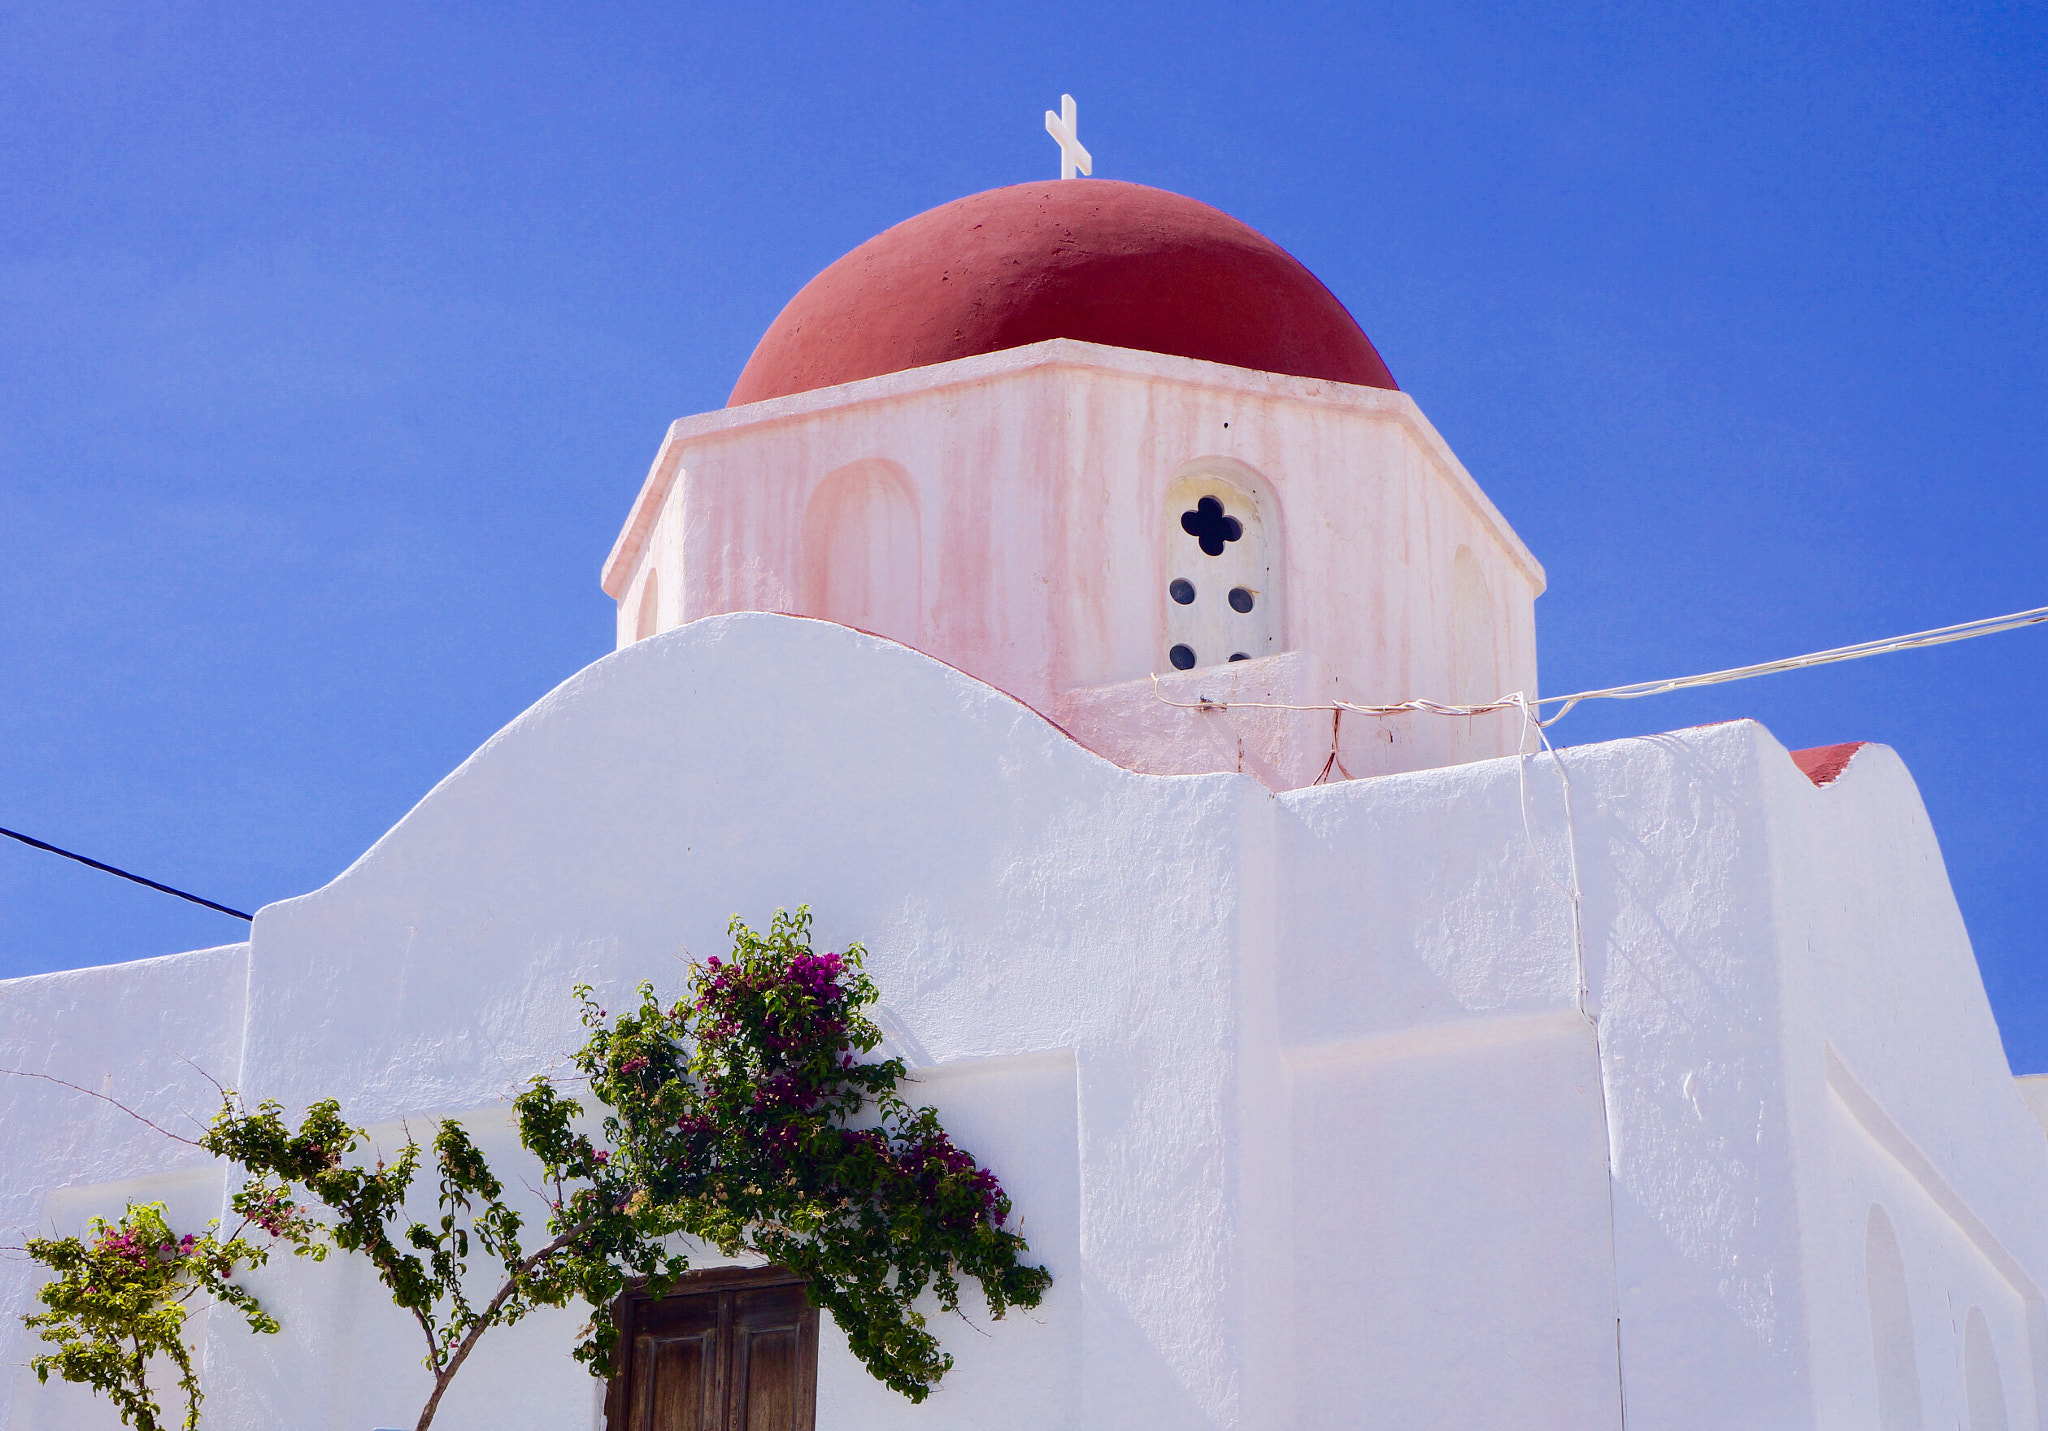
x=765 y=1308
x=681 y=1382
x=774 y=1333
x=676 y=1316
x=764 y=1380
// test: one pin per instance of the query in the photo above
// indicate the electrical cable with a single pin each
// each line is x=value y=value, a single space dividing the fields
x=124 y=874
x=1940 y=636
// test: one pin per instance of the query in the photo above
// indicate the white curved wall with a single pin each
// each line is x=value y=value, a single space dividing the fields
x=1295 y=1093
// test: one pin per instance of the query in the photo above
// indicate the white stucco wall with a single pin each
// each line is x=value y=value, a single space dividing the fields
x=1902 y=1099
x=986 y=859
x=1296 y=1095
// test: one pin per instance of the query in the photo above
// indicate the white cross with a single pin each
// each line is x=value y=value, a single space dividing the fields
x=1065 y=127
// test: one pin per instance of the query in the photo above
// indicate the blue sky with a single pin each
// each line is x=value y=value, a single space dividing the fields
x=334 y=343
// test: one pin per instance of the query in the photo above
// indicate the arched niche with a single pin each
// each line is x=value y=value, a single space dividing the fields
x=1983 y=1386
x=1222 y=569
x=1891 y=1326
x=648 y=619
x=1475 y=666
x=863 y=554
x=1475 y=643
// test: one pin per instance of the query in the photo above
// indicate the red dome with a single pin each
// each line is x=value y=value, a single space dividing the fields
x=1093 y=259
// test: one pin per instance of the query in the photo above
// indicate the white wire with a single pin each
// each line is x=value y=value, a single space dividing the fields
x=1573 y=896
x=1940 y=636
x=1516 y=700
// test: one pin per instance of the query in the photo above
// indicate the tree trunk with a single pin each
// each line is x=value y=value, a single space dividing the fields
x=434 y=1401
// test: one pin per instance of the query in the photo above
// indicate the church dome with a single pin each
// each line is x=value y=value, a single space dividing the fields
x=1091 y=259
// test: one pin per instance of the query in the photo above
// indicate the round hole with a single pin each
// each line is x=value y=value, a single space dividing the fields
x=1182 y=590
x=1241 y=598
x=1240 y=656
x=1183 y=658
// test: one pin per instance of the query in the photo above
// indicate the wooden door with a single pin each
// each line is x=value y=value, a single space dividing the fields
x=732 y=1350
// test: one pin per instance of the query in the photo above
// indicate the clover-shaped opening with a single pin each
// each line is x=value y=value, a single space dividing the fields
x=1210 y=526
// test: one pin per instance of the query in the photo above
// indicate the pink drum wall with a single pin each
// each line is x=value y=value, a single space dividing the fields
x=1018 y=514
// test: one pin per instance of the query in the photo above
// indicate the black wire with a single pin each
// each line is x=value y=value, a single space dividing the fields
x=46 y=845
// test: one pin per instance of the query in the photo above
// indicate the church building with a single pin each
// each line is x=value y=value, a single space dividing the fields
x=1345 y=1070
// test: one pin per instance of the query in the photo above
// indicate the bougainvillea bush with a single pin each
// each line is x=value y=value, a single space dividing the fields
x=120 y=1299
x=747 y=1117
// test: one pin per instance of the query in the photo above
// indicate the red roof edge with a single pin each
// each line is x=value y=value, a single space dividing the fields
x=1823 y=763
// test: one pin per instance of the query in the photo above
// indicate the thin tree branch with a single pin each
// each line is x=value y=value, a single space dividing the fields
x=94 y=1093
x=218 y=1086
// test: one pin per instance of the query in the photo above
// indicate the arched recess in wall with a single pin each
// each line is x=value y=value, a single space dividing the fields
x=1475 y=658
x=649 y=619
x=863 y=553
x=1891 y=1327
x=1222 y=568
x=1475 y=646
x=1981 y=1381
